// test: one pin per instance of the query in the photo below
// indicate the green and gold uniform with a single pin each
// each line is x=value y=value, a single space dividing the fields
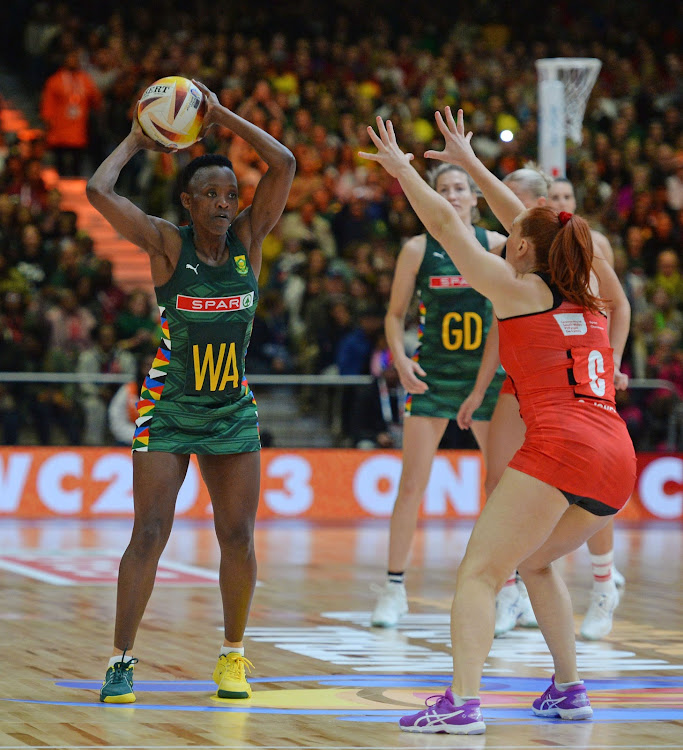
x=196 y=398
x=454 y=322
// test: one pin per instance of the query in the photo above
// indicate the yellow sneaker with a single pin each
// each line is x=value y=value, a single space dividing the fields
x=230 y=676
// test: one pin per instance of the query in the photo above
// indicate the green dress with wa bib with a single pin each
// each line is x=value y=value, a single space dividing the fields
x=196 y=398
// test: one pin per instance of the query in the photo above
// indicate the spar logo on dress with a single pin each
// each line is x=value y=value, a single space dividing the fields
x=88 y=567
x=215 y=304
x=447 y=282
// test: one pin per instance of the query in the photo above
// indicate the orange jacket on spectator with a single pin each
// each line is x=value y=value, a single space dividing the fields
x=67 y=100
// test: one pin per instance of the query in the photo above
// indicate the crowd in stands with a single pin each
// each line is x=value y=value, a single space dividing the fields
x=316 y=81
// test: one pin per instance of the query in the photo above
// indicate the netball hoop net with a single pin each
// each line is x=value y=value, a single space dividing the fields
x=564 y=85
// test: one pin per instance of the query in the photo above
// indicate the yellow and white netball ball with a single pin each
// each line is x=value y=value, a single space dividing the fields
x=171 y=112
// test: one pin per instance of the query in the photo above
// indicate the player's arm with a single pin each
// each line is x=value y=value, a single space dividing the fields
x=147 y=232
x=602 y=247
x=496 y=242
x=618 y=311
x=402 y=289
x=490 y=361
x=270 y=197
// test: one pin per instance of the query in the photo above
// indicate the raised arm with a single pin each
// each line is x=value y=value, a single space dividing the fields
x=150 y=233
x=254 y=223
x=457 y=150
x=487 y=273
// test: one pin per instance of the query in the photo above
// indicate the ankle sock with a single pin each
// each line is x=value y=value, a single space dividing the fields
x=393 y=577
x=602 y=572
x=119 y=657
x=562 y=686
x=231 y=650
x=460 y=700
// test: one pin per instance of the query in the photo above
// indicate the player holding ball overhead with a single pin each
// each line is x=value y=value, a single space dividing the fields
x=196 y=398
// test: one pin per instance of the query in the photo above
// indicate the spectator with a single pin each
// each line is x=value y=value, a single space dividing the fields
x=68 y=99
x=305 y=225
x=123 y=407
x=105 y=358
x=668 y=277
x=666 y=316
x=376 y=418
x=135 y=328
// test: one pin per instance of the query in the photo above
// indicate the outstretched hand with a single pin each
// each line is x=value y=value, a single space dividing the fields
x=388 y=155
x=457 y=148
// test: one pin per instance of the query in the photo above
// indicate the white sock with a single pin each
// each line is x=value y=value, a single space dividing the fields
x=232 y=650
x=562 y=686
x=602 y=572
x=119 y=657
x=460 y=700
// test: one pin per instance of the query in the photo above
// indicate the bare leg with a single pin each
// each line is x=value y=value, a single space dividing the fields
x=517 y=519
x=548 y=592
x=505 y=438
x=602 y=541
x=157 y=478
x=233 y=482
x=421 y=438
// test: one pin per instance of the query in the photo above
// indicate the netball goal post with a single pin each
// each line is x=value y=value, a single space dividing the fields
x=564 y=85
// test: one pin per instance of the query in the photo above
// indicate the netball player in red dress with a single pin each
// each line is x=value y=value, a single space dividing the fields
x=576 y=466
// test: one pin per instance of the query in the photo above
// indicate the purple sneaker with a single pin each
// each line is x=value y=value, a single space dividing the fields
x=571 y=704
x=444 y=716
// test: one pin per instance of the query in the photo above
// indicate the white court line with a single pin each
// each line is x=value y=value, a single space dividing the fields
x=29 y=572
x=301 y=747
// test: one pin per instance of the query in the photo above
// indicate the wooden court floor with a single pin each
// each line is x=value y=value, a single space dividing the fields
x=323 y=678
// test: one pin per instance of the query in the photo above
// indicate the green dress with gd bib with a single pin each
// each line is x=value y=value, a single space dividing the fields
x=454 y=322
x=196 y=398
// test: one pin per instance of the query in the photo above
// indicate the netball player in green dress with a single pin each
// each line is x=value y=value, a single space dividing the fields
x=196 y=398
x=454 y=322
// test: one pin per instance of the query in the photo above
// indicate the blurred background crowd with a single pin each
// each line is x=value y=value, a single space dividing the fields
x=315 y=77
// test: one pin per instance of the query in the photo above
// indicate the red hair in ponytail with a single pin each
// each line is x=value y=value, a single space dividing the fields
x=564 y=249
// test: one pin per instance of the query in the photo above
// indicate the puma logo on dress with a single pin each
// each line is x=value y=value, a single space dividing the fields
x=194 y=268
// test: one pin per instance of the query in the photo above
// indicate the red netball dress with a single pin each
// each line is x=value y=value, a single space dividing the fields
x=561 y=365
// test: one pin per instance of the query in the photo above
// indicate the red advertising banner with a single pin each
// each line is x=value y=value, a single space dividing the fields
x=320 y=484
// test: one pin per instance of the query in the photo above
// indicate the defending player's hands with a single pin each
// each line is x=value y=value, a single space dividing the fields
x=457 y=148
x=388 y=155
x=408 y=371
x=467 y=409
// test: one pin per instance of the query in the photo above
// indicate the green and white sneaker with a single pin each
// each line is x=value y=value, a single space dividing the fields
x=118 y=683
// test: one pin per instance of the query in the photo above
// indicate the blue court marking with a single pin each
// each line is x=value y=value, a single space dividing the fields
x=491 y=684
x=435 y=683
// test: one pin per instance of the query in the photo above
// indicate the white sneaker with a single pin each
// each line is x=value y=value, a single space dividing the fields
x=619 y=580
x=527 y=618
x=598 y=620
x=391 y=605
x=508 y=609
